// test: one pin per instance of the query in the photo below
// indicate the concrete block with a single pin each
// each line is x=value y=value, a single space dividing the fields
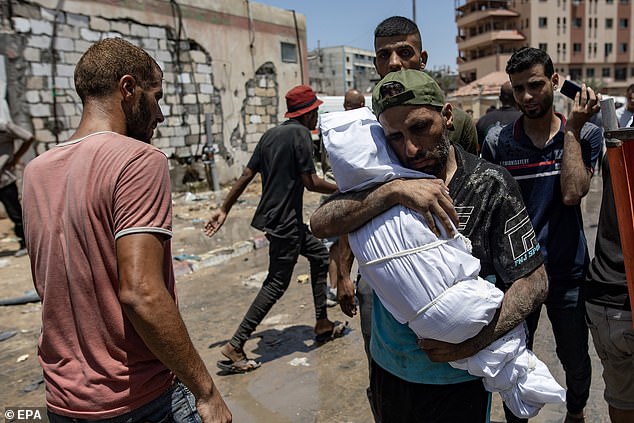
x=62 y=83
x=68 y=31
x=44 y=136
x=189 y=99
x=198 y=56
x=202 y=78
x=72 y=57
x=169 y=131
x=206 y=88
x=255 y=119
x=66 y=70
x=39 y=41
x=183 y=151
x=41 y=27
x=161 y=142
x=184 y=78
x=166 y=109
x=36 y=83
x=157 y=32
x=149 y=44
x=89 y=35
x=203 y=68
x=81 y=45
x=68 y=109
x=74 y=120
x=41 y=69
x=21 y=25
x=164 y=55
x=138 y=30
x=32 y=96
x=38 y=123
x=169 y=151
x=260 y=91
x=118 y=26
x=49 y=15
x=99 y=24
x=32 y=54
x=65 y=44
x=180 y=132
x=40 y=110
x=81 y=21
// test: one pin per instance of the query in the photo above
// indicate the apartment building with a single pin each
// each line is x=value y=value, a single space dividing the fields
x=335 y=70
x=588 y=40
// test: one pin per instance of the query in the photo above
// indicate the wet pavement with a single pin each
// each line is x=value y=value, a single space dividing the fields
x=217 y=279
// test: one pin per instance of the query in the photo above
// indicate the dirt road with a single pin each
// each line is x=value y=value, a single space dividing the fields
x=298 y=382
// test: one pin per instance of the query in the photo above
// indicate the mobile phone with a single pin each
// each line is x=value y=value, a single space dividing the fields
x=570 y=89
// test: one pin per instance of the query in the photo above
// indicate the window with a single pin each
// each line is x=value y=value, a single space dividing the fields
x=622 y=48
x=289 y=52
x=623 y=23
x=620 y=74
x=543 y=47
x=609 y=1
x=543 y=22
x=609 y=23
x=607 y=49
x=575 y=74
x=576 y=48
x=590 y=73
x=605 y=72
x=632 y=73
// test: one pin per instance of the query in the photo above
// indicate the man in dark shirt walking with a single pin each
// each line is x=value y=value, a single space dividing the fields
x=284 y=157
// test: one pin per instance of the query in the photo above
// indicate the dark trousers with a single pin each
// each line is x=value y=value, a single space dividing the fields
x=11 y=201
x=396 y=400
x=283 y=255
x=566 y=312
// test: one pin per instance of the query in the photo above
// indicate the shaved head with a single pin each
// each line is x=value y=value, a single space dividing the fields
x=353 y=100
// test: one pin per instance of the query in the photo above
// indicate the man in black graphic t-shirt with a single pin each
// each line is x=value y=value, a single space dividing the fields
x=409 y=383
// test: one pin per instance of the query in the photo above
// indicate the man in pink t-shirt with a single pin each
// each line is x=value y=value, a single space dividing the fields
x=98 y=224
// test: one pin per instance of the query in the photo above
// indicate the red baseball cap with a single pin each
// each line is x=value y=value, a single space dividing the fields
x=300 y=100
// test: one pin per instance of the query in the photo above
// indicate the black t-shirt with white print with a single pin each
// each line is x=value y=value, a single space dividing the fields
x=493 y=216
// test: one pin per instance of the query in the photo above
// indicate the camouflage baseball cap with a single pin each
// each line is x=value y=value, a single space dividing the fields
x=406 y=87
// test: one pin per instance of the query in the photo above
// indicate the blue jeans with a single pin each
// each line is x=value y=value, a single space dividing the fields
x=177 y=404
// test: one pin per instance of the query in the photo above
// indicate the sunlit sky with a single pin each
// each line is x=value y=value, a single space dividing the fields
x=352 y=22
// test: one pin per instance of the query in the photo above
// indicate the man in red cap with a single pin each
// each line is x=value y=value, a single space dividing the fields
x=284 y=157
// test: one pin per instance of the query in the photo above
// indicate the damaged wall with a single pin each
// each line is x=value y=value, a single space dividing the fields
x=223 y=60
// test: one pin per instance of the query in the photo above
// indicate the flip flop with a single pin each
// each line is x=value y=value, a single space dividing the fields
x=236 y=367
x=338 y=330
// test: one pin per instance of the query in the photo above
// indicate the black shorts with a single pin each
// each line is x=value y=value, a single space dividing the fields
x=396 y=400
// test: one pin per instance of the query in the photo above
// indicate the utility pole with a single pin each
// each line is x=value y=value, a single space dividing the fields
x=414 y=10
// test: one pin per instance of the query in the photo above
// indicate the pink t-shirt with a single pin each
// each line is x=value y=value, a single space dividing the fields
x=79 y=197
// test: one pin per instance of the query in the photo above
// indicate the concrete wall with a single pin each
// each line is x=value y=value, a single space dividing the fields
x=222 y=61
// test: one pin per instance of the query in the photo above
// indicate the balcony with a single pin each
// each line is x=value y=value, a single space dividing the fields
x=489 y=38
x=472 y=18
